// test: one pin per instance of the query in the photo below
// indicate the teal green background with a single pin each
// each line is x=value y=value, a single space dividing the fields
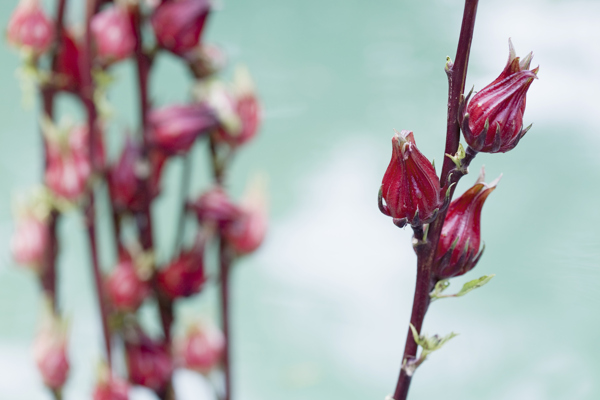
x=320 y=312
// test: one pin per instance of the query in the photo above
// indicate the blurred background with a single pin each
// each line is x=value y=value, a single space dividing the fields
x=321 y=311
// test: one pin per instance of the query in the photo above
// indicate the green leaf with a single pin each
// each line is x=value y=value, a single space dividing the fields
x=458 y=157
x=474 y=284
x=467 y=287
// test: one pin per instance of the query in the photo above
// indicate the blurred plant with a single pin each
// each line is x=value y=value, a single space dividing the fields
x=223 y=117
x=447 y=233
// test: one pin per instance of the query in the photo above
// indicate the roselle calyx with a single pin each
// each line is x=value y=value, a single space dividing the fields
x=68 y=73
x=247 y=231
x=458 y=249
x=110 y=387
x=113 y=34
x=410 y=186
x=124 y=287
x=29 y=27
x=178 y=24
x=148 y=361
x=173 y=129
x=492 y=121
x=30 y=241
x=184 y=276
x=214 y=207
x=50 y=351
x=202 y=347
x=69 y=166
x=125 y=178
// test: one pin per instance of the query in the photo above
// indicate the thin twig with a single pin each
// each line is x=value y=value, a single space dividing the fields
x=426 y=251
x=87 y=96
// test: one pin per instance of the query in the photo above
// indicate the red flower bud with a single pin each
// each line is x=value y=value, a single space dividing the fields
x=493 y=121
x=67 y=63
x=410 y=187
x=178 y=24
x=30 y=241
x=458 y=248
x=238 y=111
x=68 y=164
x=214 y=206
x=173 y=129
x=247 y=232
x=111 y=389
x=125 y=178
x=202 y=348
x=50 y=352
x=113 y=34
x=124 y=288
x=30 y=28
x=149 y=362
x=184 y=276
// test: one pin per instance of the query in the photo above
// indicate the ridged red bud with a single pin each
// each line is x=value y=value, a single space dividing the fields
x=30 y=242
x=30 y=28
x=111 y=388
x=493 y=120
x=113 y=34
x=178 y=24
x=202 y=348
x=149 y=362
x=238 y=111
x=68 y=74
x=125 y=178
x=247 y=232
x=173 y=129
x=410 y=186
x=68 y=162
x=214 y=206
x=125 y=289
x=50 y=352
x=184 y=276
x=458 y=248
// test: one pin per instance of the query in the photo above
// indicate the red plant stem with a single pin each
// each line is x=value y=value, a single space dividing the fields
x=225 y=265
x=144 y=218
x=87 y=96
x=184 y=189
x=457 y=74
x=48 y=277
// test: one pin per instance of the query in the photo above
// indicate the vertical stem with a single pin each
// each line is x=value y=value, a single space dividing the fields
x=87 y=96
x=184 y=189
x=457 y=74
x=48 y=278
x=225 y=265
x=144 y=218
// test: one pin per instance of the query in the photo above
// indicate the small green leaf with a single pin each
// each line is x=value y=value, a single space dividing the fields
x=458 y=157
x=474 y=284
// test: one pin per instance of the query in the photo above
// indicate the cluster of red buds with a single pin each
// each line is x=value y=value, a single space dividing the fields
x=447 y=234
x=222 y=116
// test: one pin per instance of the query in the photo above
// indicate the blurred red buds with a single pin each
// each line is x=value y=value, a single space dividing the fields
x=149 y=362
x=493 y=120
x=67 y=63
x=30 y=241
x=50 y=351
x=124 y=288
x=173 y=129
x=215 y=207
x=247 y=232
x=110 y=387
x=113 y=34
x=125 y=178
x=68 y=162
x=458 y=248
x=410 y=186
x=30 y=28
x=184 y=276
x=202 y=348
x=178 y=24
